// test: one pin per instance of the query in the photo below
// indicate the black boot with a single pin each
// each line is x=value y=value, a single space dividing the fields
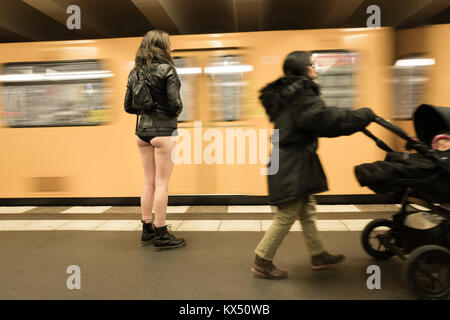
x=164 y=240
x=148 y=232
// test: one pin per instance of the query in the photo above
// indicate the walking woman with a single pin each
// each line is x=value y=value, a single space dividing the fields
x=154 y=129
x=292 y=102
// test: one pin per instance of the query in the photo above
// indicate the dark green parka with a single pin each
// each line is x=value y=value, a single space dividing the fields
x=301 y=117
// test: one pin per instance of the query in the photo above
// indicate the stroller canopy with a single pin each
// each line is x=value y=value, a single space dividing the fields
x=430 y=121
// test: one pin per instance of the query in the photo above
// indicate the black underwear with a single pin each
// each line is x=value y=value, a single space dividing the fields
x=146 y=138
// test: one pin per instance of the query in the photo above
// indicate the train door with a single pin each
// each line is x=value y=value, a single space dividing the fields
x=184 y=179
x=219 y=154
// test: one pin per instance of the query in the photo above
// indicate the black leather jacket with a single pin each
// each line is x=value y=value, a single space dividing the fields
x=164 y=86
x=301 y=117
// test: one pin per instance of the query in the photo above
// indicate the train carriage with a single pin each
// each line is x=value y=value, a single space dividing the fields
x=64 y=133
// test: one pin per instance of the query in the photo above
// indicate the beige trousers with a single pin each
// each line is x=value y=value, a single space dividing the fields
x=303 y=209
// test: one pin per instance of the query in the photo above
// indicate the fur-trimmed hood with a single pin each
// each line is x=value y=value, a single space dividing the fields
x=279 y=93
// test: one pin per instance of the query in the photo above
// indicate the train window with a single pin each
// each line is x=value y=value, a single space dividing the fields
x=187 y=72
x=336 y=71
x=66 y=93
x=227 y=86
x=410 y=79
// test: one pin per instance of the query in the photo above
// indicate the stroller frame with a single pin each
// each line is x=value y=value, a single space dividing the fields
x=426 y=252
x=413 y=197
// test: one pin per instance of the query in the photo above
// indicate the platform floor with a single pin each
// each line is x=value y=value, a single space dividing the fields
x=215 y=264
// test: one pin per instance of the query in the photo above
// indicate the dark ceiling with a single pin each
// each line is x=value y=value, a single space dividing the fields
x=44 y=20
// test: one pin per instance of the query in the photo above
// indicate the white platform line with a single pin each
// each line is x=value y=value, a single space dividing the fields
x=240 y=225
x=43 y=225
x=177 y=225
x=331 y=225
x=184 y=209
x=82 y=209
x=119 y=225
x=13 y=225
x=265 y=225
x=199 y=225
x=249 y=209
x=337 y=208
x=177 y=209
x=14 y=210
x=82 y=225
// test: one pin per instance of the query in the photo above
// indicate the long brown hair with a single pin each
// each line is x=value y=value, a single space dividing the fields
x=154 y=43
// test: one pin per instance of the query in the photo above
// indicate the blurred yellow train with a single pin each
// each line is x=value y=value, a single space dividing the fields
x=64 y=132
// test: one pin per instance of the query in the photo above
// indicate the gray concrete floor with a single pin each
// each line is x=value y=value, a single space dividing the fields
x=213 y=265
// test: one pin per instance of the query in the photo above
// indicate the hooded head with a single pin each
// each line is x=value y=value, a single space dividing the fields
x=298 y=76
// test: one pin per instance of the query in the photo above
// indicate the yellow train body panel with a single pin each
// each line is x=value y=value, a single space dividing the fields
x=103 y=160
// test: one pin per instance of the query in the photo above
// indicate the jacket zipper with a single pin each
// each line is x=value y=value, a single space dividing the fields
x=137 y=119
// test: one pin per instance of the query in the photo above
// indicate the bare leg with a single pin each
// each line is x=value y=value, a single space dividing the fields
x=163 y=162
x=148 y=162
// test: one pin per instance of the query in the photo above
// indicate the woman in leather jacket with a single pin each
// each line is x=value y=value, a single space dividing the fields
x=154 y=131
x=301 y=117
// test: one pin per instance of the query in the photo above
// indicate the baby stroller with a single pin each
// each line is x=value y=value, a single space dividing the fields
x=423 y=179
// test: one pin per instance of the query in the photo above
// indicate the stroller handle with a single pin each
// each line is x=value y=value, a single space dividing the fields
x=393 y=128
x=380 y=143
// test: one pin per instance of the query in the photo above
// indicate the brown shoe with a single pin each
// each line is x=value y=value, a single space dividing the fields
x=325 y=259
x=265 y=268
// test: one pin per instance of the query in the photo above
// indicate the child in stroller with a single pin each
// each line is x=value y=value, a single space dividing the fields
x=441 y=142
x=423 y=179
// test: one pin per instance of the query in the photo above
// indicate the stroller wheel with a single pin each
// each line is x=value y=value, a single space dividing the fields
x=427 y=272
x=376 y=238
